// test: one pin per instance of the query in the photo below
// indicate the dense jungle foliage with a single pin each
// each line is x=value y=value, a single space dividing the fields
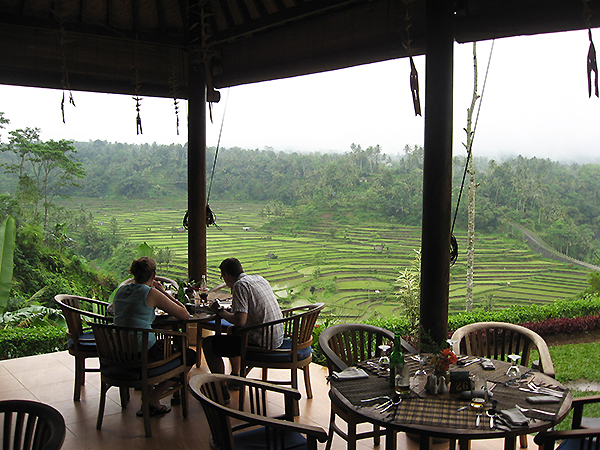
x=560 y=202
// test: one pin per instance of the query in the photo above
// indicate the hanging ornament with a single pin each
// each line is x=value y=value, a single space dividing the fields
x=65 y=74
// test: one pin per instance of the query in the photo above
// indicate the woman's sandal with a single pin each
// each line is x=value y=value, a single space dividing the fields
x=155 y=411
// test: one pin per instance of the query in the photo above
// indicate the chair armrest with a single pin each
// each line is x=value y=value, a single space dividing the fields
x=315 y=432
x=546 y=440
x=243 y=330
x=290 y=396
x=97 y=317
x=577 y=406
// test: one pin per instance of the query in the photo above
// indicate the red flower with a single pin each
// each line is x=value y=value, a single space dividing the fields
x=443 y=360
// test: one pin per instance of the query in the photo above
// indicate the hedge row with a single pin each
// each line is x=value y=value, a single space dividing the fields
x=19 y=342
x=560 y=316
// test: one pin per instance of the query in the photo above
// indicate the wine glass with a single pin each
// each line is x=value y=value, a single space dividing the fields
x=420 y=376
x=421 y=360
x=513 y=370
x=384 y=360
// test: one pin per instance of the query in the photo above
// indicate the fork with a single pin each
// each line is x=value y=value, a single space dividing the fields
x=539 y=411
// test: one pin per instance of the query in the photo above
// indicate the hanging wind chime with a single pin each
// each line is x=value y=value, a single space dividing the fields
x=137 y=85
x=62 y=35
x=174 y=80
x=592 y=64
x=414 y=75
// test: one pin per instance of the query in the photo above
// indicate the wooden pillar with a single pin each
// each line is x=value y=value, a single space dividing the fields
x=196 y=166
x=437 y=172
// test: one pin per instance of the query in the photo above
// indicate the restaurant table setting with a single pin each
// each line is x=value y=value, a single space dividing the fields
x=503 y=401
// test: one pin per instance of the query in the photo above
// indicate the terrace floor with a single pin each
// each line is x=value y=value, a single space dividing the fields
x=49 y=379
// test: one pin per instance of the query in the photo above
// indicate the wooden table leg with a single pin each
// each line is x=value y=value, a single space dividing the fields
x=425 y=442
x=464 y=444
x=390 y=439
x=510 y=443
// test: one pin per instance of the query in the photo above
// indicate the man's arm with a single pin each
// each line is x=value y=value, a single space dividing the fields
x=238 y=318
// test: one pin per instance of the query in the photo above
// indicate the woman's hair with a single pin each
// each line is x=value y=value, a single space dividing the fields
x=231 y=266
x=142 y=269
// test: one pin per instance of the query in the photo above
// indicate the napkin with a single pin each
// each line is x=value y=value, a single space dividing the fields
x=350 y=373
x=514 y=417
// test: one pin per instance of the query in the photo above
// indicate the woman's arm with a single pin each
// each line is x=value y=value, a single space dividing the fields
x=166 y=302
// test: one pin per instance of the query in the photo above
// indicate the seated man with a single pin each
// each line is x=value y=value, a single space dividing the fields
x=253 y=303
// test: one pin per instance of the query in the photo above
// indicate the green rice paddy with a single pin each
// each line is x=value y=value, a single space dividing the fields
x=352 y=269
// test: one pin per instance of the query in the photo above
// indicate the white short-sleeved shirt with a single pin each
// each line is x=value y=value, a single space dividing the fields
x=253 y=295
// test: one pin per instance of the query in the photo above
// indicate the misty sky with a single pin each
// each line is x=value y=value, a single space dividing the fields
x=535 y=103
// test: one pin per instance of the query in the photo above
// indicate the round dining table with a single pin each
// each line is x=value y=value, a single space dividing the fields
x=449 y=415
x=198 y=315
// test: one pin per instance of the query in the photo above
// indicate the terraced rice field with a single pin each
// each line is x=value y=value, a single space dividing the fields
x=352 y=269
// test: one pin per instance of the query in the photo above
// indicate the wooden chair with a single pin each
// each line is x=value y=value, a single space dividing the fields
x=79 y=313
x=497 y=340
x=31 y=425
x=275 y=432
x=122 y=364
x=578 y=437
x=344 y=345
x=295 y=352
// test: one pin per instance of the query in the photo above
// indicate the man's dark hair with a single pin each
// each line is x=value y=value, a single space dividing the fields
x=231 y=266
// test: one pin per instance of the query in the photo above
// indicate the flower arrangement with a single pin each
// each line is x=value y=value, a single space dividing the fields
x=442 y=360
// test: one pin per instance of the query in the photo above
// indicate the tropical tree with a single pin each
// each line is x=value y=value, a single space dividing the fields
x=7 y=251
x=472 y=187
x=42 y=170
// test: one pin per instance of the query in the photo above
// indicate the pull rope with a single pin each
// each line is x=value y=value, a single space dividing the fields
x=212 y=175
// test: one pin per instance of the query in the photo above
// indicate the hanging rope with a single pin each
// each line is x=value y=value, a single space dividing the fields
x=212 y=174
x=453 y=242
x=211 y=219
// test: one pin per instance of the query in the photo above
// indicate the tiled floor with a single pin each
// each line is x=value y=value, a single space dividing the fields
x=49 y=379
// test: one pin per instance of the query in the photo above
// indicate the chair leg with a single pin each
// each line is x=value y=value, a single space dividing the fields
x=306 y=370
x=79 y=377
x=146 y=411
x=377 y=437
x=331 y=432
x=184 y=387
x=103 y=389
x=523 y=439
x=124 y=394
x=351 y=436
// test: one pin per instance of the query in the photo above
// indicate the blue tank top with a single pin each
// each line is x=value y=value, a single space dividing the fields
x=131 y=309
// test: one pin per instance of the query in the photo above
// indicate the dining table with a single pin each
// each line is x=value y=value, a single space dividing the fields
x=198 y=315
x=425 y=416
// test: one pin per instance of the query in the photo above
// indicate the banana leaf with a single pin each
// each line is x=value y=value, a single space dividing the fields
x=8 y=233
x=144 y=250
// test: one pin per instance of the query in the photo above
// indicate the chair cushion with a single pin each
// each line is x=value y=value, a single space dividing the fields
x=574 y=444
x=257 y=440
x=115 y=372
x=86 y=340
x=275 y=357
x=224 y=323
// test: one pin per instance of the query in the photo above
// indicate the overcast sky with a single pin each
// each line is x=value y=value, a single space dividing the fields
x=535 y=103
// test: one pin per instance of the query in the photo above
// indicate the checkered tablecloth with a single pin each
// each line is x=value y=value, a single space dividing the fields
x=422 y=409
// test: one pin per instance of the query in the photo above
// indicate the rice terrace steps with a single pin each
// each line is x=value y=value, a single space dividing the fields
x=352 y=268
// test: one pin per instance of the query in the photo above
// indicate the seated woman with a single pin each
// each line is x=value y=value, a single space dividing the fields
x=134 y=306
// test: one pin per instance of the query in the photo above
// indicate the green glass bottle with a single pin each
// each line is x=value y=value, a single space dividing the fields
x=399 y=376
